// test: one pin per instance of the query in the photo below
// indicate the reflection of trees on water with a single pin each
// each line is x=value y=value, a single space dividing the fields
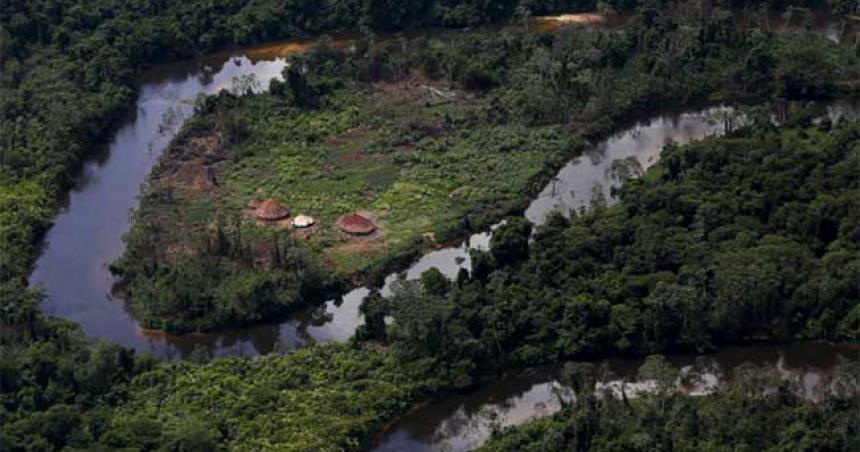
x=596 y=154
x=620 y=170
x=207 y=75
x=244 y=84
x=466 y=421
x=171 y=119
x=463 y=430
x=597 y=199
x=257 y=340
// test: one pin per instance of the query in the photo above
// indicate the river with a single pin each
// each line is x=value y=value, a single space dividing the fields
x=87 y=234
x=464 y=421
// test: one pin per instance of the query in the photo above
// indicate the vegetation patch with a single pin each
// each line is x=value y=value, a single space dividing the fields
x=616 y=280
x=748 y=237
x=435 y=136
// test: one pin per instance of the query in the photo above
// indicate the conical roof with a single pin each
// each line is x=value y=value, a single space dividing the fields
x=355 y=224
x=270 y=210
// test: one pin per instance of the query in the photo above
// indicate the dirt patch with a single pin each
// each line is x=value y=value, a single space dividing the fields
x=210 y=145
x=194 y=178
x=415 y=90
x=190 y=167
x=357 y=245
x=207 y=147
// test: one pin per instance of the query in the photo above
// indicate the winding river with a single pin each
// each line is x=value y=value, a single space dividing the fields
x=463 y=421
x=87 y=235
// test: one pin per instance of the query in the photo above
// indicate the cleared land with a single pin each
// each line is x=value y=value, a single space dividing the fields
x=407 y=155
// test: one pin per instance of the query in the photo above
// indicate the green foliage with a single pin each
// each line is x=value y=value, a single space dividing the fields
x=364 y=131
x=426 y=334
x=24 y=210
x=230 y=280
x=702 y=254
x=66 y=77
x=510 y=241
x=754 y=412
x=53 y=385
x=320 y=398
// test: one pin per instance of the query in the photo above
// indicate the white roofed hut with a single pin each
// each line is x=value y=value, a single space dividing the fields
x=303 y=221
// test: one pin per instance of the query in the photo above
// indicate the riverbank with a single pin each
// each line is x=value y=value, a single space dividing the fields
x=59 y=390
x=559 y=314
x=466 y=420
x=330 y=163
x=427 y=150
x=756 y=411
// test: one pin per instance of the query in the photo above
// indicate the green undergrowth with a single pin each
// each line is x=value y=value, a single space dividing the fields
x=348 y=159
x=321 y=398
x=432 y=138
x=326 y=398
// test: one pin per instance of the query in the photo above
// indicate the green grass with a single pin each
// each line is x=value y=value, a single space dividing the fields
x=361 y=156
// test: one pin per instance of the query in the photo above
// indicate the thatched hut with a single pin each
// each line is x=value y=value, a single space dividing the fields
x=271 y=210
x=355 y=224
x=303 y=221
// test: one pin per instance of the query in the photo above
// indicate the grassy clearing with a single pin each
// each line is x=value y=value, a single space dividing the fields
x=415 y=169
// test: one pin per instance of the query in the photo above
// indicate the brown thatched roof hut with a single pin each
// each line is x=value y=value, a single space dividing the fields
x=355 y=224
x=271 y=210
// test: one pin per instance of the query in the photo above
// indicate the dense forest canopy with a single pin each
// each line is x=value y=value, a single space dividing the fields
x=750 y=237
x=447 y=335
x=68 y=71
x=445 y=170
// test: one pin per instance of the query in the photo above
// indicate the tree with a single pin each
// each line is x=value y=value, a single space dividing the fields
x=510 y=241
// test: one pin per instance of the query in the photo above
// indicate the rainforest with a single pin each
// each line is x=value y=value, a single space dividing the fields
x=430 y=225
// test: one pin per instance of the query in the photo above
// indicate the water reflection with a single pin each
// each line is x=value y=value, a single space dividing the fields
x=464 y=421
x=572 y=190
x=88 y=232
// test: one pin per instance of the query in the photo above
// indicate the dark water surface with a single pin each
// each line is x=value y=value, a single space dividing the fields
x=87 y=234
x=462 y=422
